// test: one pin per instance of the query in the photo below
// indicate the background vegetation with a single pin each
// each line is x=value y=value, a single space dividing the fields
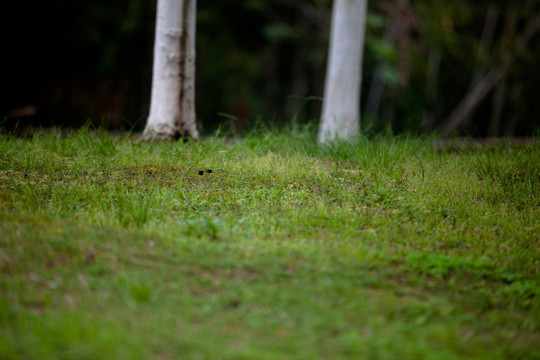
x=65 y=62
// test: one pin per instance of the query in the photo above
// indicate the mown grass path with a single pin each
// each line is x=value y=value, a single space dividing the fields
x=386 y=249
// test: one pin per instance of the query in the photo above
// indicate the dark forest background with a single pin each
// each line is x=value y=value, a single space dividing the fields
x=65 y=62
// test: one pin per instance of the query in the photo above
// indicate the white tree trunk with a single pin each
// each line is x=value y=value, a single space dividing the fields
x=340 y=118
x=172 y=105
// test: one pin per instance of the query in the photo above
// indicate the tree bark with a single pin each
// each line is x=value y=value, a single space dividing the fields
x=486 y=39
x=376 y=88
x=172 y=106
x=432 y=87
x=497 y=108
x=340 y=118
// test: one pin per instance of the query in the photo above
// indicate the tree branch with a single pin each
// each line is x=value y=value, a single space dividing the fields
x=485 y=84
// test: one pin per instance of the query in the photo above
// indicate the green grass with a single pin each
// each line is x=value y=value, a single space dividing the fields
x=115 y=249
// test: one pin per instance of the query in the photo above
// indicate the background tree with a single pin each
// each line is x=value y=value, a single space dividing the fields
x=172 y=107
x=340 y=118
x=513 y=46
x=264 y=61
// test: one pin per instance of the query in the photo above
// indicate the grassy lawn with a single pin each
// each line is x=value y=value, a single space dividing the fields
x=115 y=249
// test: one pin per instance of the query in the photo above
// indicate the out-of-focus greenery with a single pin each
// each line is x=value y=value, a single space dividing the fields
x=265 y=60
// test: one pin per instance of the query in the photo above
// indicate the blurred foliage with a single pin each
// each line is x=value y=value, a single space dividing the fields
x=265 y=61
